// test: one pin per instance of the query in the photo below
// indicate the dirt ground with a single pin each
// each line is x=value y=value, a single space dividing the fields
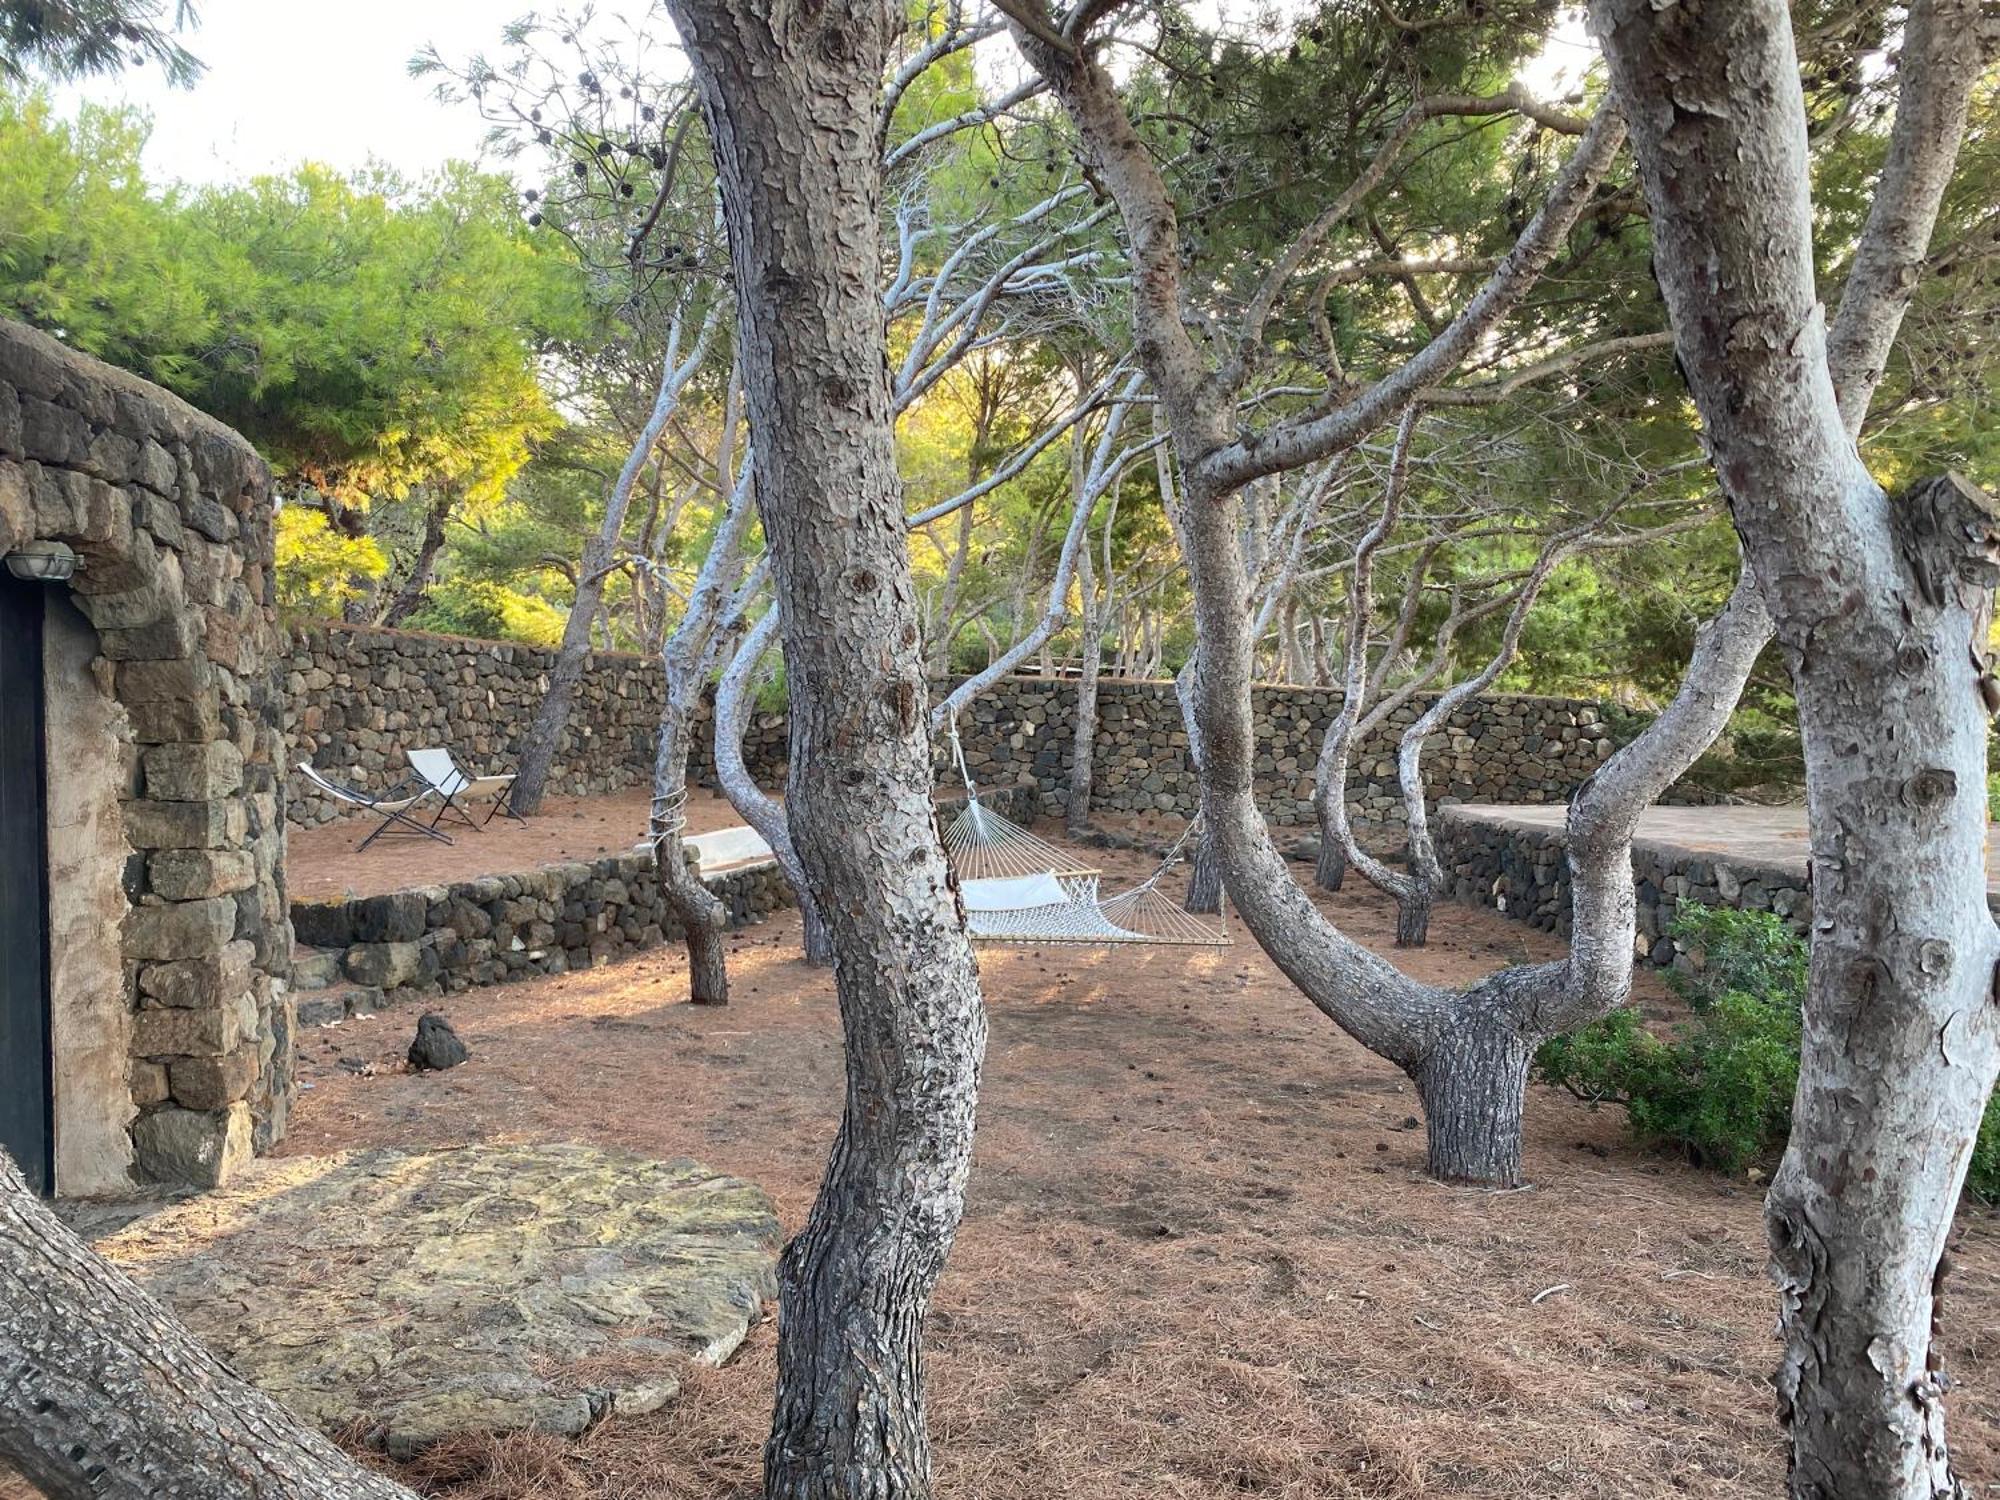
x=322 y=863
x=1200 y=1258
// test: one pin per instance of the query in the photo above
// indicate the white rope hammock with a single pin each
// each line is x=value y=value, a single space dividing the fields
x=1019 y=888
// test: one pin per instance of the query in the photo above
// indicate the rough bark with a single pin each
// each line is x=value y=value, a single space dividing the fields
x=790 y=95
x=1878 y=605
x=733 y=702
x=702 y=915
x=105 y=1395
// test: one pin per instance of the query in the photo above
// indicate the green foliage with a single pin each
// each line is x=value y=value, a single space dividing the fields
x=69 y=39
x=376 y=334
x=1719 y=1089
x=319 y=569
x=489 y=611
x=85 y=252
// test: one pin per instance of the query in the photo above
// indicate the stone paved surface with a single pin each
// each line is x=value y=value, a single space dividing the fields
x=416 y=1295
x=1774 y=836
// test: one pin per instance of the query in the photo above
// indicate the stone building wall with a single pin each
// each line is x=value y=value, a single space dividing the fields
x=359 y=697
x=171 y=1036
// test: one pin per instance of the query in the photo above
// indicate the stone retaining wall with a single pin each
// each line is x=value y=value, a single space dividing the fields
x=359 y=697
x=1521 y=872
x=431 y=940
x=435 y=940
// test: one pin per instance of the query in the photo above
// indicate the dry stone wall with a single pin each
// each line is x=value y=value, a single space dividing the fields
x=428 y=941
x=1523 y=873
x=169 y=514
x=358 y=698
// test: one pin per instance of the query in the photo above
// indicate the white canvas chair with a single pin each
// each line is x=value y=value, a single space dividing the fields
x=394 y=805
x=437 y=770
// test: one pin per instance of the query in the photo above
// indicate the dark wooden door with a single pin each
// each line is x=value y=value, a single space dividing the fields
x=26 y=1092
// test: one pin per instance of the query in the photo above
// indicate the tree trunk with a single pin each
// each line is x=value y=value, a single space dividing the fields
x=104 y=1395
x=1880 y=606
x=703 y=919
x=1204 y=894
x=701 y=914
x=1330 y=869
x=790 y=98
x=732 y=716
x=1413 y=912
x=544 y=738
x=1474 y=1084
x=418 y=583
x=1083 y=743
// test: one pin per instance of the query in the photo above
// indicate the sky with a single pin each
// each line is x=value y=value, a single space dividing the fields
x=292 y=80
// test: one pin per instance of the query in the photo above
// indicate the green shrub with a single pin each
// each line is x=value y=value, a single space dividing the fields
x=1718 y=1090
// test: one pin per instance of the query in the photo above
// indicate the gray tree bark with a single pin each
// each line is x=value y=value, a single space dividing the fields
x=733 y=702
x=410 y=595
x=685 y=659
x=790 y=94
x=545 y=730
x=105 y=1395
x=1083 y=735
x=1879 y=606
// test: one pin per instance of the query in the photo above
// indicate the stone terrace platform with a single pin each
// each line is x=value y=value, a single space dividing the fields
x=1752 y=858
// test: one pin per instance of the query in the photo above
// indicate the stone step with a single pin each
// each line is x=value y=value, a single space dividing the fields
x=314 y=968
x=324 y=1007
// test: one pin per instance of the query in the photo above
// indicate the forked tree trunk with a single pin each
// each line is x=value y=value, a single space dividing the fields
x=702 y=916
x=684 y=665
x=1399 y=1018
x=790 y=96
x=1880 y=606
x=105 y=1395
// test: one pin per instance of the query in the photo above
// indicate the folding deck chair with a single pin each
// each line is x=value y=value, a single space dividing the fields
x=438 y=771
x=395 y=805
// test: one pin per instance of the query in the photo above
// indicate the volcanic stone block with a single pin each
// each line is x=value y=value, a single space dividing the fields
x=220 y=823
x=196 y=1147
x=193 y=773
x=212 y=1082
x=209 y=981
x=192 y=874
x=180 y=929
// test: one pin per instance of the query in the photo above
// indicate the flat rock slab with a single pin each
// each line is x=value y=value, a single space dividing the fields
x=413 y=1295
